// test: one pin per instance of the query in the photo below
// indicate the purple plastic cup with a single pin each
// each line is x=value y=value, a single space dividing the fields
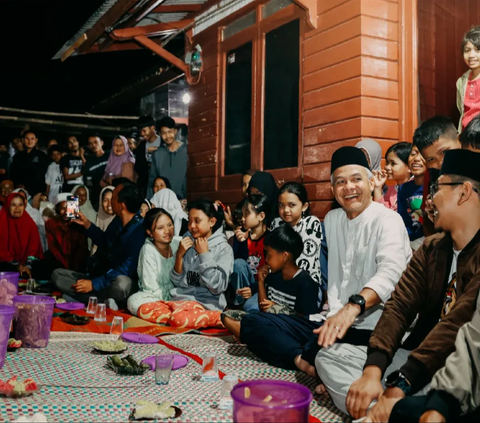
x=6 y=315
x=8 y=287
x=270 y=401
x=33 y=319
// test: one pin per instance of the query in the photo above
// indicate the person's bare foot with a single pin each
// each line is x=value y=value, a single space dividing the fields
x=320 y=389
x=304 y=366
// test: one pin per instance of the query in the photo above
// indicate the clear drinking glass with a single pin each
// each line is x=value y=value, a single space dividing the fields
x=101 y=313
x=209 y=367
x=30 y=286
x=117 y=326
x=226 y=401
x=163 y=368
x=92 y=305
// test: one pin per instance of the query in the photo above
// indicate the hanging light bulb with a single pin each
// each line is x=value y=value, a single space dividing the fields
x=186 y=98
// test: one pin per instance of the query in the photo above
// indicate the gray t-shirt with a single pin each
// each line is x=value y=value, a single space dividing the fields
x=157 y=143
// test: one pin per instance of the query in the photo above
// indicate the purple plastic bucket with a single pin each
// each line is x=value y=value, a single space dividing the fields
x=32 y=320
x=8 y=287
x=270 y=401
x=6 y=315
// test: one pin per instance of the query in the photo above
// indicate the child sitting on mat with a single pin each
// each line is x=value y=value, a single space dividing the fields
x=156 y=261
x=203 y=265
x=283 y=288
x=294 y=210
x=249 y=251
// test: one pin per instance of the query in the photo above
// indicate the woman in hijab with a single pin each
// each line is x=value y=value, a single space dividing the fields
x=105 y=211
x=145 y=207
x=264 y=183
x=120 y=162
x=35 y=215
x=67 y=242
x=166 y=199
x=372 y=151
x=20 y=240
x=84 y=203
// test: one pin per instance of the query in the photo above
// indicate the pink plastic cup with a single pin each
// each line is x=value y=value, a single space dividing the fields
x=6 y=315
x=270 y=401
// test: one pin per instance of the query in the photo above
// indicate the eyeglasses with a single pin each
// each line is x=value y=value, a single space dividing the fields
x=435 y=185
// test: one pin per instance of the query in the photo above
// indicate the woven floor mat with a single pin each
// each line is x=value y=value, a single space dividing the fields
x=236 y=359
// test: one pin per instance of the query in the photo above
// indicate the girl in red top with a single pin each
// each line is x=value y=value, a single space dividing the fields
x=468 y=85
x=249 y=250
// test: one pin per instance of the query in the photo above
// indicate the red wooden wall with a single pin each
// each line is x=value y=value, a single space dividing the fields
x=441 y=26
x=353 y=87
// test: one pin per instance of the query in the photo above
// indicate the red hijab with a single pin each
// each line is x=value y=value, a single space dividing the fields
x=20 y=238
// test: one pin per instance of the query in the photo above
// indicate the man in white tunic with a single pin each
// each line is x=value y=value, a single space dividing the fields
x=368 y=251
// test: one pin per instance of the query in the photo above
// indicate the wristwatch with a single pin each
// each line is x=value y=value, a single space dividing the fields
x=357 y=299
x=398 y=380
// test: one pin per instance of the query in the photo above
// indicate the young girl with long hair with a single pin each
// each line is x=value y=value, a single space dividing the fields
x=203 y=265
x=293 y=208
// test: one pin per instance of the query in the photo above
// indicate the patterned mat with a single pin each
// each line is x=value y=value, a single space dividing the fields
x=76 y=387
x=237 y=359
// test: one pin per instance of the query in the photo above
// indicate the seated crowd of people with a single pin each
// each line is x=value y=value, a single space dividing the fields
x=379 y=301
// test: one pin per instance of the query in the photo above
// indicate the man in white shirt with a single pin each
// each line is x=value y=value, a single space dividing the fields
x=368 y=251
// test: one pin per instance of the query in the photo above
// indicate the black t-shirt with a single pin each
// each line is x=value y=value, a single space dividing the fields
x=299 y=293
x=74 y=165
x=94 y=170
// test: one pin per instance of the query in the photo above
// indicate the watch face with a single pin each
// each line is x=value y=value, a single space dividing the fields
x=357 y=299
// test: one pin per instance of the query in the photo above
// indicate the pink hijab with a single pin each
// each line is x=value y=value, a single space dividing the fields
x=115 y=163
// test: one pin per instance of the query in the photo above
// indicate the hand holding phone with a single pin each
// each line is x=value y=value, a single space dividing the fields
x=73 y=208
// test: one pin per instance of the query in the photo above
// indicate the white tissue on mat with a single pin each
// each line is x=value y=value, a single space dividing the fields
x=36 y=418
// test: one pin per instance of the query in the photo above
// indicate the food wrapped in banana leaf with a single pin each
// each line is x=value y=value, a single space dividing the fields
x=126 y=366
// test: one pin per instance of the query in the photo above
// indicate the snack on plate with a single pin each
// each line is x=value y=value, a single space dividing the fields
x=61 y=301
x=110 y=346
x=14 y=387
x=150 y=410
x=126 y=366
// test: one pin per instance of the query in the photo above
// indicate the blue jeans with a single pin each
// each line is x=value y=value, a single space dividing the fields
x=242 y=277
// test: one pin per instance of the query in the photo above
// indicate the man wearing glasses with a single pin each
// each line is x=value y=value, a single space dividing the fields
x=440 y=285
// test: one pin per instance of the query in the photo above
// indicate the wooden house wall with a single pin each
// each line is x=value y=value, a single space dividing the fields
x=441 y=27
x=351 y=90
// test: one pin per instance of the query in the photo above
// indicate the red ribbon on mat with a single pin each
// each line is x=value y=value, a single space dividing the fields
x=198 y=359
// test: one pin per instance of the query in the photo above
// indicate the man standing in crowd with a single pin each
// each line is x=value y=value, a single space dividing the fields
x=368 y=250
x=170 y=160
x=71 y=165
x=440 y=285
x=29 y=166
x=95 y=167
x=143 y=155
x=112 y=273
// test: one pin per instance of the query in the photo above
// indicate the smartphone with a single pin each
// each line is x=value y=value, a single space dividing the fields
x=222 y=205
x=72 y=207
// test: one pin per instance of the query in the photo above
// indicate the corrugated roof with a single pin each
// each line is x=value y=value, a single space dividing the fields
x=150 y=19
x=104 y=8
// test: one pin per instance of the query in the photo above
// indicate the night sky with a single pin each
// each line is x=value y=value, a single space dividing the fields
x=32 y=32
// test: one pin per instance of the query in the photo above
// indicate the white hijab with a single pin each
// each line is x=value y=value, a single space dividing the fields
x=166 y=199
x=87 y=209
x=37 y=218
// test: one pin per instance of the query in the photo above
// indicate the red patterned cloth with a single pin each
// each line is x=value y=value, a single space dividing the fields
x=180 y=314
x=471 y=104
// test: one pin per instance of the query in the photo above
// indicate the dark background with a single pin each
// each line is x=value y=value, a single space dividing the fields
x=31 y=32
